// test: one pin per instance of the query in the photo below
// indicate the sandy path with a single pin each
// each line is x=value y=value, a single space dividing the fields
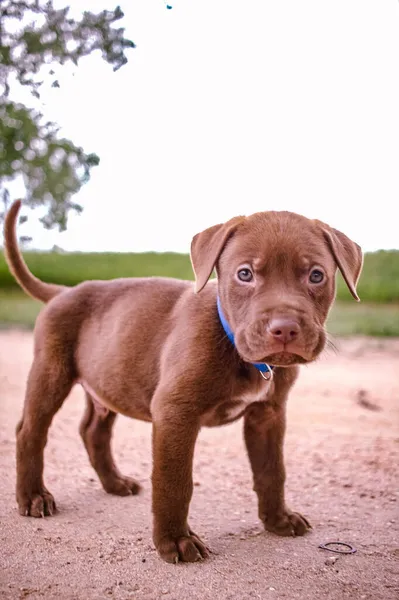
x=342 y=461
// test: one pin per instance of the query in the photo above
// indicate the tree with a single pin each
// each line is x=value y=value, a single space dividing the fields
x=35 y=37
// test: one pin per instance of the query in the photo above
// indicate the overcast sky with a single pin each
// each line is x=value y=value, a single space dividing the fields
x=231 y=107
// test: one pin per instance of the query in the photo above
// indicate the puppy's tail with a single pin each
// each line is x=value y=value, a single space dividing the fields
x=28 y=282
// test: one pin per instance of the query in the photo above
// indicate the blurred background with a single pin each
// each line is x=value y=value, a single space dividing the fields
x=126 y=130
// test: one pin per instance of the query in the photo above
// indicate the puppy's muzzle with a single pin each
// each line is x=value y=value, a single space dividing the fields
x=280 y=340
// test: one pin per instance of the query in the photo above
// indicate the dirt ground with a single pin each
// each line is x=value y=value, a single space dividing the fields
x=342 y=456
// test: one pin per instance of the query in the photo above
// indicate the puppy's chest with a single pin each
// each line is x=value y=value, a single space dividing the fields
x=228 y=410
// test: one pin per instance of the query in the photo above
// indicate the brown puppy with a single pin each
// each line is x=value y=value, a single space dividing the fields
x=155 y=349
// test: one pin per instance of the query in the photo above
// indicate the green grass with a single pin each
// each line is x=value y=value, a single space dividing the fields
x=377 y=314
x=17 y=309
x=382 y=320
x=379 y=281
x=70 y=269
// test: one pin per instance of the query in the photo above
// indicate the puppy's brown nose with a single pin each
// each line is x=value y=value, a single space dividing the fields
x=283 y=330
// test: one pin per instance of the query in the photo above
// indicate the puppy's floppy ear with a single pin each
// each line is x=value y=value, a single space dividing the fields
x=348 y=256
x=206 y=248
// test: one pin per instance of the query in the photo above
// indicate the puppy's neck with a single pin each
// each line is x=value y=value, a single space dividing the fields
x=265 y=370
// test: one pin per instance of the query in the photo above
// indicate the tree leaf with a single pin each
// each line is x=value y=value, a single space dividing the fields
x=52 y=169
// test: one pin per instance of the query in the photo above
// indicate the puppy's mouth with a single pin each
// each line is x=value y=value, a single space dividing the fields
x=283 y=355
x=256 y=347
x=285 y=359
x=281 y=359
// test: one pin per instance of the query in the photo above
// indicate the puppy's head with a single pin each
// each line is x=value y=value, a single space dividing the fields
x=276 y=279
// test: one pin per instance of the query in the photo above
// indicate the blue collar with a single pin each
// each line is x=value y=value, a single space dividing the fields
x=262 y=367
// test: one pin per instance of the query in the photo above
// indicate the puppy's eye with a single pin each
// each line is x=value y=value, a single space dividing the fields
x=245 y=275
x=316 y=276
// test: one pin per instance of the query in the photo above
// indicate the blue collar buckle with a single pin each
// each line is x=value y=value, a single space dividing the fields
x=265 y=370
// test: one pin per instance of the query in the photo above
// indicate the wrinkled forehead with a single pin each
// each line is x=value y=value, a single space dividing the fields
x=277 y=239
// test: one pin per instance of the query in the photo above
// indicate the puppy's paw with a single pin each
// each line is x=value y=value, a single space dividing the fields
x=185 y=549
x=36 y=505
x=288 y=523
x=121 y=485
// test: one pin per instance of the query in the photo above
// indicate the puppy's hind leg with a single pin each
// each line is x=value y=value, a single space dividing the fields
x=96 y=432
x=49 y=383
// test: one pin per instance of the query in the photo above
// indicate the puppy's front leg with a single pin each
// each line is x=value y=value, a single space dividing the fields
x=264 y=428
x=174 y=436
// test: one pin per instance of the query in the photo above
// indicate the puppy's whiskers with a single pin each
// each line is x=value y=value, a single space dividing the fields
x=330 y=346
